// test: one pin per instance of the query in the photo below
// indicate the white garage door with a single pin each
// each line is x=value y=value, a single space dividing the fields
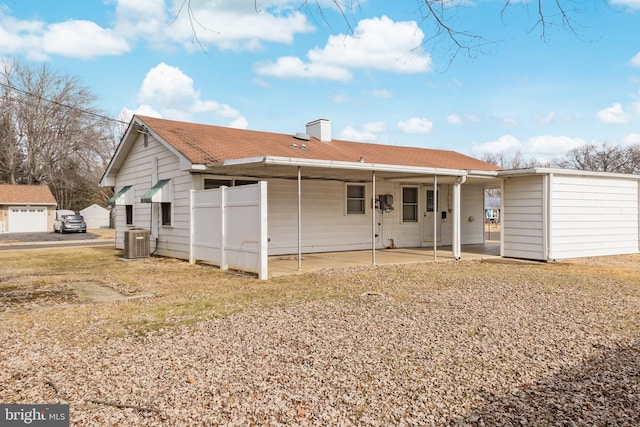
x=27 y=219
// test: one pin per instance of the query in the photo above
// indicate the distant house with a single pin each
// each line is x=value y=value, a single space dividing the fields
x=233 y=197
x=26 y=208
x=96 y=216
x=492 y=208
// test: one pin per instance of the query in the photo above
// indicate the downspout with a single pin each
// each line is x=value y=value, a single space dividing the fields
x=373 y=218
x=457 y=240
x=549 y=219
x=502 y=221
x=299 y=220
x=435 y=217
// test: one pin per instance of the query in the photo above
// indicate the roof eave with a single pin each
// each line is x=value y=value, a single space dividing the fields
x=335 y=164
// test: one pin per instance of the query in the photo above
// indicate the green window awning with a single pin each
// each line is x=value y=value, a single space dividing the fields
x=148 y=197
x=115 y=197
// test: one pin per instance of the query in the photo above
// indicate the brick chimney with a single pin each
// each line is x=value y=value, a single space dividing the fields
x=320 y=129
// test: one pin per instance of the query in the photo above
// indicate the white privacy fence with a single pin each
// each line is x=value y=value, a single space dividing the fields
x=229 y=227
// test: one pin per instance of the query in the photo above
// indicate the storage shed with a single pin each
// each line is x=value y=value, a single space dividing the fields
x=96 y=216
x=551 y=214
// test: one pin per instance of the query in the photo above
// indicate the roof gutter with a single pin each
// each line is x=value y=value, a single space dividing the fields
x=334 y=164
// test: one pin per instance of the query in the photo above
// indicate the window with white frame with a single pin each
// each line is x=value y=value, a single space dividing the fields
x=355 y=199
x=409 y=204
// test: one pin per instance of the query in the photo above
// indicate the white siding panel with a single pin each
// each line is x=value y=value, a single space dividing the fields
x=471 y=214
x=522 y=218
x=593 y=216
x=325 y=224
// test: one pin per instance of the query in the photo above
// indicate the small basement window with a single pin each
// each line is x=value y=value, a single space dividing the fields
x=165 y=213
x=128 y=209
x=355 y=199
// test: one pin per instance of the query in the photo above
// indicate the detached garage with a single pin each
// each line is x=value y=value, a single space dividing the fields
x=551 y=214
x=26 y=208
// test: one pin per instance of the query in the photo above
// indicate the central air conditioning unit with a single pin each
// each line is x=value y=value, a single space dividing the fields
x=136 y=244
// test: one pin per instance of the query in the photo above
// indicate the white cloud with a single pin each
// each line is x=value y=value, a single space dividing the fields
x=227 y=24
x=505 y=121
x=72 y=38
x=141 y=18
x=631 y=4
x=614 y=115
x=543 y=147
x=294 y=67
x=631 y=139
x=382 y=93
x=172 y=93
x=377 y=44
x=544 y=119
x=236 y=25
x=367 y=132
x=126 y=114
x=419 y=125
x=454 y=119
x=635 y=61
x=82 y=39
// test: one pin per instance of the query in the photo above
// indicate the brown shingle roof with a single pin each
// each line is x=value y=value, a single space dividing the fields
x=26 y=194
x=205 y=144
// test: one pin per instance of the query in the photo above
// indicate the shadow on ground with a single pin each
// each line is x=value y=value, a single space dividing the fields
x=603 y=391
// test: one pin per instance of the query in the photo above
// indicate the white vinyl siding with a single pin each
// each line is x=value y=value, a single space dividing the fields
x=137 y=171
x=324 y=225
x=522 y=218
x=592 y=216
x=471 y=214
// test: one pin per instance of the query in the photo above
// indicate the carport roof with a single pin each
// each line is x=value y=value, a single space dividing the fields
x=16 y=194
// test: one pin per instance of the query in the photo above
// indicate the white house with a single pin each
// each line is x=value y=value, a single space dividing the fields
x=96 y=216
x=233 y=197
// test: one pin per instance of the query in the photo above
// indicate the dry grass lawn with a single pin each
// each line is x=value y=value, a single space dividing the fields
x=567 y=313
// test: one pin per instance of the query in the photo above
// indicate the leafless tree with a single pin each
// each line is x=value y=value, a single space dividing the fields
x=512 y=161
x=441 y=20
x=603 y=158
x=51 y=133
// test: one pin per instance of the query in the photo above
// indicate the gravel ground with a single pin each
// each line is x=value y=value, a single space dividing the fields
x=513 y=353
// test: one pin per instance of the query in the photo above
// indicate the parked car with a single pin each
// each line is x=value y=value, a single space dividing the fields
x=60 y=214
x=73 y=223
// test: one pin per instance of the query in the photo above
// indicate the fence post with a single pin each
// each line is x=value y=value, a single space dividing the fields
x=223 y=228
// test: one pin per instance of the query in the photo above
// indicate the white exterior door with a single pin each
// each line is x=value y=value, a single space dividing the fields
x=431 y=208
x=25 y=219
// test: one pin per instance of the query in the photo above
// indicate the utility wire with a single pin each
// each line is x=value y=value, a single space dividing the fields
x=71 y=107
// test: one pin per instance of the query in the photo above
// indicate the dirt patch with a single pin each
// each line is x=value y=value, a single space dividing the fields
x=14 y=298
x=11 y=297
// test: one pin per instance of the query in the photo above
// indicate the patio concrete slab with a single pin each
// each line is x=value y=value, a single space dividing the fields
x=288 y=264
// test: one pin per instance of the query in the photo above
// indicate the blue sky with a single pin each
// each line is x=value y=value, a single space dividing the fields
x=274 y=66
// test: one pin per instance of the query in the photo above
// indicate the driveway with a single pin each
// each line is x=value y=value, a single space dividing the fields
x=48 y=239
